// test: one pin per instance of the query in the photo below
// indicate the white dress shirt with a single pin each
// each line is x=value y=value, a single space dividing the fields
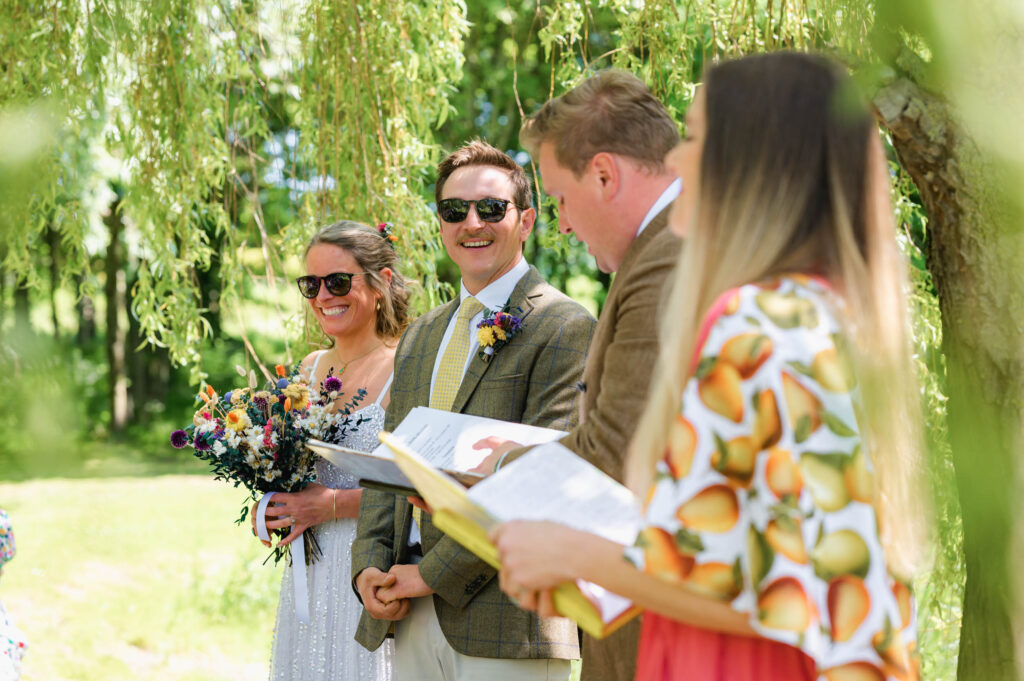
x=493 y=297
x=670 y=194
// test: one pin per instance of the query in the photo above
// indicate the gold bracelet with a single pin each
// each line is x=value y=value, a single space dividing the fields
x=334 y=505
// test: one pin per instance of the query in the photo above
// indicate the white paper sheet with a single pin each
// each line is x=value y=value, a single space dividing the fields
x=446 y=439
x=443 y=438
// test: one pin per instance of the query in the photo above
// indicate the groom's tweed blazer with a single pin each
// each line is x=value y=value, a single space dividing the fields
x=532 y=379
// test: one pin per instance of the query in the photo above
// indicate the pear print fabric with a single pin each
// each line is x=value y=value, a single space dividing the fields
x=764 y=495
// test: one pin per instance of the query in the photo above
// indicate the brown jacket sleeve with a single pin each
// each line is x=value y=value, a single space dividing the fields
x=622 y=358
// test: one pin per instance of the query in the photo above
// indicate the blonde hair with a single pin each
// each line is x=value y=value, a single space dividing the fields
x=373 y=252
x=612 y=111
x=793 y=180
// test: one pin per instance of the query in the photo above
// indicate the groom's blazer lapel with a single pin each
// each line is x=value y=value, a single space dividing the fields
x=520 y=303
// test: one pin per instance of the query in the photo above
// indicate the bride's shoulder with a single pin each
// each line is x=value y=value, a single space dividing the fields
x=309 y=361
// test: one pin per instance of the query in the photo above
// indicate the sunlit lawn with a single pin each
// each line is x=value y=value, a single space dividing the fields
x=137 y=578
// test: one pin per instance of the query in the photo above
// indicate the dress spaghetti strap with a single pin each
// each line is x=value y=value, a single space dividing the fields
x=384 y=390
x=316 y=363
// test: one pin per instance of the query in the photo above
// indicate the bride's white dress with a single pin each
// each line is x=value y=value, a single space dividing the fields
x=325 y=648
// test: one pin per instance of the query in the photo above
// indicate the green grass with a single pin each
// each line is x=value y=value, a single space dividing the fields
x=137 y=578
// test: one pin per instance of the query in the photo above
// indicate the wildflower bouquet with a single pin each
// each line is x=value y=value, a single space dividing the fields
x=257 y=438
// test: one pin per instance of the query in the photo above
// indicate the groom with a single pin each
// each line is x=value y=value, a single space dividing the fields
x=451 y=620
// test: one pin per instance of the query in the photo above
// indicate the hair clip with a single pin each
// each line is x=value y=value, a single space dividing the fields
x=384 y=229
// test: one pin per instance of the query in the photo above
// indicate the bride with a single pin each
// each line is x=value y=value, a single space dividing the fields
x=361 y=303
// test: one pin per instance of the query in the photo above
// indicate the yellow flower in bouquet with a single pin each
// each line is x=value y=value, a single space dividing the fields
x=237 y=420
x=298 y=393
x=238 y=396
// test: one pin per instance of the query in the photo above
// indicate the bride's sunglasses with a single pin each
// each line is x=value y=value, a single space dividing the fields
x=488 y=210
x=337 y=283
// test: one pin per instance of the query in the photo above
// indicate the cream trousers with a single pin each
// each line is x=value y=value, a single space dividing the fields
x=422 y=654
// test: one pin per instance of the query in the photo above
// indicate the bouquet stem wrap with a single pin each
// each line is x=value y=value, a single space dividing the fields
x=300 y=590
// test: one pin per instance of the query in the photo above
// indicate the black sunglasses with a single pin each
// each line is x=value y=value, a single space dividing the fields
x=337 y=283
x=488 y=210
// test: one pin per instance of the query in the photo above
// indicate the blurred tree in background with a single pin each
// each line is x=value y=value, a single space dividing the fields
x=165 y=163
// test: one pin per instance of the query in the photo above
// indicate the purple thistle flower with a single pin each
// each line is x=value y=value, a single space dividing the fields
x=260 y=402
x=332 y=384
x=201 y=444
x=513 y=323
x=282 y=383
x=179 y=439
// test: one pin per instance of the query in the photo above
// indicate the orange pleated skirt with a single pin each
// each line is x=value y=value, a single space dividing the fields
x=671 y=650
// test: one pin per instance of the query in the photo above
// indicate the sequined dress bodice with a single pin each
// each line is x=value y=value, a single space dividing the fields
x=363 y=438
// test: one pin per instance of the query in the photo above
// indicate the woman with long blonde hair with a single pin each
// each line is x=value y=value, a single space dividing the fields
x=778 y=448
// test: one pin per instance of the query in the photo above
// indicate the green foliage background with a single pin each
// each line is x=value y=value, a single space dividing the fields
x=222 y=134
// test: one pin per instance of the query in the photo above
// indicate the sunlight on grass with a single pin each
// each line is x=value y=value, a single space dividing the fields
x=138 y=578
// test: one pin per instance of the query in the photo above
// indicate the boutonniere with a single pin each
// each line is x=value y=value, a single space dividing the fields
x=496 y=329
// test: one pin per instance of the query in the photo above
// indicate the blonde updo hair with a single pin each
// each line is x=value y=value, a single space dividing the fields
x=373 y=252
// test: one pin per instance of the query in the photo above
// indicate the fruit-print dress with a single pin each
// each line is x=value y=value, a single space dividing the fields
x=764 y=500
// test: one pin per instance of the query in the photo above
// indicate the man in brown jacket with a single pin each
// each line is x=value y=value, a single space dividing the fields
x=601 y=148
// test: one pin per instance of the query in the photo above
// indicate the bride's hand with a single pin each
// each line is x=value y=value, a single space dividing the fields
x=299 y=511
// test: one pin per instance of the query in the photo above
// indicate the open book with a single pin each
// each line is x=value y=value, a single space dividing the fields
x=548 y=483
x=443 y=438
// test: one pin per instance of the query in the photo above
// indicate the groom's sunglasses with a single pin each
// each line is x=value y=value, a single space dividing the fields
x=488 y=210
x=337 y=283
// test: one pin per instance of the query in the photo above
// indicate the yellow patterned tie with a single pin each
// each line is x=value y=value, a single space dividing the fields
x=453 y=366
x=453 y=362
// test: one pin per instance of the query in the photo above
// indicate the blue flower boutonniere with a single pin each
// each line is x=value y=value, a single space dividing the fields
x=496 y=329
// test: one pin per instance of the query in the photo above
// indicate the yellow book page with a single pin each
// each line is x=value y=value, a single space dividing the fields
x=467 y=533
x=569 y=601
x=467 y=523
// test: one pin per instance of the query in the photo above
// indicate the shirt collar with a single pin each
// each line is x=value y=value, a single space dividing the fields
x=668 y=196
x=496 y=294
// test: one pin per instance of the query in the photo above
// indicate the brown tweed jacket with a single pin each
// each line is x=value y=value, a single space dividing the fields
x=619 y=366
x=533 y=379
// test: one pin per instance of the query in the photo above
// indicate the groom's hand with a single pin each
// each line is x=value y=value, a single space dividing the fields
x=369 y=583
x=408 y=584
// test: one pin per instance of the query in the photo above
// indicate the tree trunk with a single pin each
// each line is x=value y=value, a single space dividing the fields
x=138 y=360
x=3 y=290
x=974 y=258
x=86 y=318
x=209 y=287
x=22 y=308
x=53 y=241
x=149 y=366
x=114 y=290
